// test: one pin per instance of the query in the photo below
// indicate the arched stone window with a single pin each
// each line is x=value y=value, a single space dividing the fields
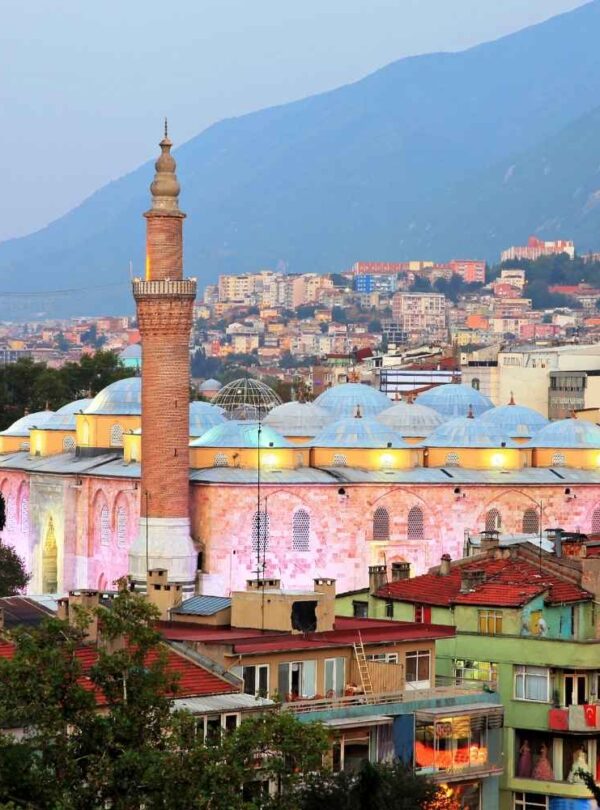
x=531 y=522
x=381 y=524
x=340 y=460
x=260 y=532
x=558 y=460
x=116 y=436
x=493 y=521
x=50 y=559
x=104 y=526
x=10 y=512
x=452 y=460
x=475 y=383
x=301 y=530
x=24 y=512
x=24 y=446
x=414 y=524
x=68 y=444
x=221 y=460
x=121 y=522
x=596 y=521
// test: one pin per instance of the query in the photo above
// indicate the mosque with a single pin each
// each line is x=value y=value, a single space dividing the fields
x=139 y=477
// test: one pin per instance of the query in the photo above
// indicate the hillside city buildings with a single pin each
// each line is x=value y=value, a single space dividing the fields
x=405 y=549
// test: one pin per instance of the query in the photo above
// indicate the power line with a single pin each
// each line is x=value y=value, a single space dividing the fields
x=68 y=291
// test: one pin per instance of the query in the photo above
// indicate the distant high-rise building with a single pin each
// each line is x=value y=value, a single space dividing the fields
x=536 y=247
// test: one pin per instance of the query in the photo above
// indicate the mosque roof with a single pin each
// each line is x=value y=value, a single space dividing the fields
x=298 y=418
x=131 y=352
x=568 y=433
x=119 y=398
x=465 y=431
x=238 y=433
x=357 y=432
x=203 y=416
x=342 y=400
x=516 y=421
x=210 y=385
x=64 y=418
x=411 y=419
x=23 y=425
x=454 y=399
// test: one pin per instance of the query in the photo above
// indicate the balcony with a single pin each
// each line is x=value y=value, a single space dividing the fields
x=166 y=287
x=581 y=718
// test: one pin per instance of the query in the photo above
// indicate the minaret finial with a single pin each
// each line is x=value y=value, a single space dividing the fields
x=166 y=128
x=165 y=187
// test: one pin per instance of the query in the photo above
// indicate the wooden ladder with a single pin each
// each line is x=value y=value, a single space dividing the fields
x=363 y=668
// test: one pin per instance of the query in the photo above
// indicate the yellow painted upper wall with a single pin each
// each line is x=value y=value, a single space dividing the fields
x=104 y=430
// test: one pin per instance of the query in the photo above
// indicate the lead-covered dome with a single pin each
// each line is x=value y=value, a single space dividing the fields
x=517 y=421
x=455 y=399
x=410 y=419
x=238 y=433
x=298 y=419
x=356 y=432
x=123 y=397
x=568 y=434
x=26 y=423
x=209 y=386
x=464 y=431
x=64 y=418
x=343 y=400
x=203 y=416
x=247 y=398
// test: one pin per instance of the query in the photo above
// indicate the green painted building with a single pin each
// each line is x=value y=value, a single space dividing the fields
x=528 y=628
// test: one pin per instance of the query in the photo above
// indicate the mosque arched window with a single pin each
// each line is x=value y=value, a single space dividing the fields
x=121 y=526
x=221 y=460
x=531 y=522
x=381 y=524
x=104 y=526
x=50 y=559
x=24 y=512
x=68 y=444
x=475 y=383
x=340 y=460
x=558 y=460
x=116 y=436
x=301 y=530
x=493 y=521
x=260 y=532
x=9 y=512
x=452 y=460
x=596 y=521
x=414 y=524
x=24 y=446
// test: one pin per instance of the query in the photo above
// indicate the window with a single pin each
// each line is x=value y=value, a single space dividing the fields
x=422 y=614
x=417 y=668
x=596 y=521
x=256 y=680
x=468 y=670
x=414 y=527
x=339 y=460
x=532 y=683
x=301 y=530
x=558 y=460
x=536 y=756
x=116 y=436
x=383 y=658
x=381 y=524
x=68 y=444
x=24 y=517
x=360 y=609
x=531 y=523
x=260 y=532
x=389 y=609
x=9 y=507
x=475 y=383
x=296 y=679
x=24 y=446
x=334 y=676
x=229 y=722
x=493 y=521
x=221 y=460
x=452 y=460
x=490 y=622
x=104 y=526
x=121 y=526
x=575 y=688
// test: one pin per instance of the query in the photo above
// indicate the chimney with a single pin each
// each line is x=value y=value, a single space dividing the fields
x=86 y=600
x=263 y=584
x=489 y=540
x=377 y=577
x=471 y=578
x=162 y=593
x=400 y=570
x=555 y=535
x=325 y=585
x=445 y=565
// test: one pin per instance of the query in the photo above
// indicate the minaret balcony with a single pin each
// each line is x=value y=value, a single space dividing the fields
x=164 y=287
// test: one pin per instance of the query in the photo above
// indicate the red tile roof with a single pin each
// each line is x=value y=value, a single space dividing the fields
x=508 y=583
x=194 y=680
x=346 y=633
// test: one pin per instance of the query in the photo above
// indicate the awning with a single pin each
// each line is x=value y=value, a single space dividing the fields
x=359 y=722
x=494 y=714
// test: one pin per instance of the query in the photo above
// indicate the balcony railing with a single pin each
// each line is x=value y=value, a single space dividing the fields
x=184 y=286
x=406 y=695
x=581 y=718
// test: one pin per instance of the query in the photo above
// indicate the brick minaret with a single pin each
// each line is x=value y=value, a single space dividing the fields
x=164 y=301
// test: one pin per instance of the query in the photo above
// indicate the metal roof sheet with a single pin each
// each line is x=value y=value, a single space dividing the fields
x=203 y=605
x=223 y=703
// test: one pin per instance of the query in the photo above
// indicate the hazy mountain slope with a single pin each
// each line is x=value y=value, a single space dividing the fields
x=365 y=171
